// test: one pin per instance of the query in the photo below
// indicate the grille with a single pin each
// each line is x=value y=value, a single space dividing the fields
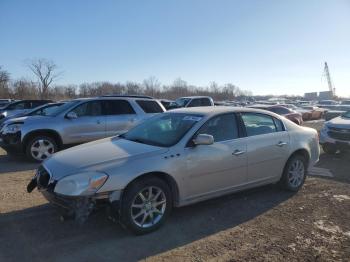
x=339 y=133
x=43 y=177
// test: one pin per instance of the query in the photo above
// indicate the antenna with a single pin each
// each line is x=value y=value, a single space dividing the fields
x=329 y=80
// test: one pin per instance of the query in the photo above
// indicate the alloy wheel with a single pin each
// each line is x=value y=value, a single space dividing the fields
x=148 y=206
x=296 y=173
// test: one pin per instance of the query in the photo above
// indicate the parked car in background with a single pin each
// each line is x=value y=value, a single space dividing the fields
x=21 y=106
x=75 y=122
x=335 y=134
x=4 y=102
x=38 y=111
x=345 y=102
x=192 y=101
x=175 y=159
x=283 y=111
x=328 y=102
x=311 y=112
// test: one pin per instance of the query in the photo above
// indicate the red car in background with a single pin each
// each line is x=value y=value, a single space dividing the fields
x=292 y=115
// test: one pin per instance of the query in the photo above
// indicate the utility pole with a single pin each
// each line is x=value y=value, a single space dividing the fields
x=329 y=80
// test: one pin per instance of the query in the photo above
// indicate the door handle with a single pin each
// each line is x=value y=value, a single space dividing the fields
x=238 y=152
x=280 y=144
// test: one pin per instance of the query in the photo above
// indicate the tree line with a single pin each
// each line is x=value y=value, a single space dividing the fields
x=44 y=86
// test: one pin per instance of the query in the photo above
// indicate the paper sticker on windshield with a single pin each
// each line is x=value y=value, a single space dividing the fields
x=192 y=118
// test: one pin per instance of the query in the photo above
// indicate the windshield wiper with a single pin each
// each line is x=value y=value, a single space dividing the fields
x=147 y=142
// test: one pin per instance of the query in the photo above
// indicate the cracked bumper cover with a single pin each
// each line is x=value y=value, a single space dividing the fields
x=79 y=207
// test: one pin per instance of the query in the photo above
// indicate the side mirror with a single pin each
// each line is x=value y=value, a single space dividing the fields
x=203 y=139
x=72 y=115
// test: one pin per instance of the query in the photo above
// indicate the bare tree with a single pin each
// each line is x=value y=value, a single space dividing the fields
x=151 y=86
x=44 y=70
x=4 y=80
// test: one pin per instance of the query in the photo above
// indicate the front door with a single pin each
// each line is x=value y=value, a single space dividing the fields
x=220 y=166
x=88 y=126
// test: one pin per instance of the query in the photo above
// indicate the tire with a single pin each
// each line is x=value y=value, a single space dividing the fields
x=138 y=219
x=45 y=145
x=329 y=149
x=294 y=173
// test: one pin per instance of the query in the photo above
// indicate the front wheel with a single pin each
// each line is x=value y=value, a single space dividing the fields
x=40 y=148
x=294 y=173
x=145 y=205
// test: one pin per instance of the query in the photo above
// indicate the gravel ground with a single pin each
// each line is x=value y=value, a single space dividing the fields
x=264 y=224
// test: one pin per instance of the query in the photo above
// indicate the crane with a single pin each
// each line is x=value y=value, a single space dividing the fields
x=329 y=80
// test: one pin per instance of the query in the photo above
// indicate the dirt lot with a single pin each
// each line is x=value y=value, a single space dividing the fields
x=256 y=225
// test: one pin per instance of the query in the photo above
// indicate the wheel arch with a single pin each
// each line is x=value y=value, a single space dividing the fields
x=43 y=132
x=171 y=182
x=303 y=152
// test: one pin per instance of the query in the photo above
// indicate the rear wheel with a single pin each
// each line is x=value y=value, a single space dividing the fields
x=40 y=148
x=329 y=149
x=145 y=205
x=294 y=173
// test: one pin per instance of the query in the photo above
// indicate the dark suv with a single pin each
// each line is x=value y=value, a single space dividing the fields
x=20 y=107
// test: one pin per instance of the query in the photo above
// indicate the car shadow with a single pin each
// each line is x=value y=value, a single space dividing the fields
x=337 y=164
x=40 y=234
x=15 y=164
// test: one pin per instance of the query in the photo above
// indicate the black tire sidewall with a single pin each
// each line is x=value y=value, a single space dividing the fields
x=30 y=143
x=285 y=179
x=128 y=197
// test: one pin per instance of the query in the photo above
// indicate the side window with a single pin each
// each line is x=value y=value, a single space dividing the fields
x=258 y=124
x=18 y=106
x=149 y=106
x=92 y=108
x=205 y=102
x=279 y=125
x=194 y=103
x=35 y=104
x=222 y=127
x=117 y=107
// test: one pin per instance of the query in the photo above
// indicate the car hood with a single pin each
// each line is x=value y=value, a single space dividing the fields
x=98 y=155
x=27 y=119
x=340 y=122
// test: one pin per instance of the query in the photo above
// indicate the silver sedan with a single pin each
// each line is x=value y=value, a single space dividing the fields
x=175 y=159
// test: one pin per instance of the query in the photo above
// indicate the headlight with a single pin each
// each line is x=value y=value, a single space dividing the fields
x=83 y=184
x=12 y=128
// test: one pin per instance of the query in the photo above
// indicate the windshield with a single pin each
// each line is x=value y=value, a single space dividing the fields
x=346 y=115
x=58 y=110
x=163 y=130
x=45 y=110
x=182 y=102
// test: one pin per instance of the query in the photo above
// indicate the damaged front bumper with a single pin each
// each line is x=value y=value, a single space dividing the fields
x=78 y=208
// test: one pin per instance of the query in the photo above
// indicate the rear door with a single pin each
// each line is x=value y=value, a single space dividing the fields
x=120 y=116
x=267 y=146
x=88 y=126
x=220 y=166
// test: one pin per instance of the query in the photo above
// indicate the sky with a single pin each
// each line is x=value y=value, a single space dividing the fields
x=267 y=47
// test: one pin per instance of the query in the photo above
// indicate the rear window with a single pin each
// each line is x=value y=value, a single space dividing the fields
x=258 y=124
x=149 y=106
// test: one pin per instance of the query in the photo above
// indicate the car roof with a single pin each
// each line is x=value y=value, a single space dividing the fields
x=191 y=97
x=214 y=110
x=114 y=98
x=129 y=96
